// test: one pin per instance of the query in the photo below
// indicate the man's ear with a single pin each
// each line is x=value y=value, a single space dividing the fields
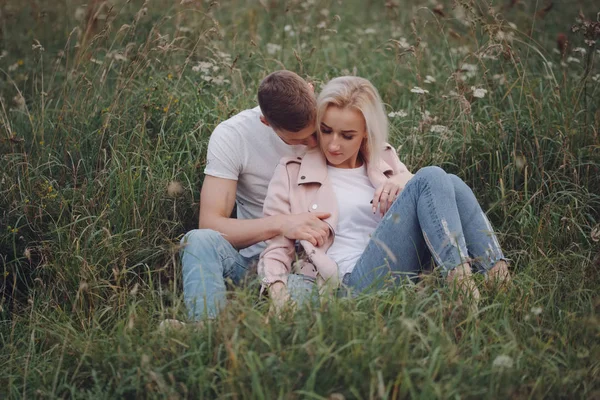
x=311 y=86
x=264 y=120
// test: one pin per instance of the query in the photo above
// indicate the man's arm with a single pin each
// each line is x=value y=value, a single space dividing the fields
x=217 y=199
x=216 y=204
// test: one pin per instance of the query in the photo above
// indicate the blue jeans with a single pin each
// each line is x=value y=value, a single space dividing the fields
x=208 y=261
x=436 y=215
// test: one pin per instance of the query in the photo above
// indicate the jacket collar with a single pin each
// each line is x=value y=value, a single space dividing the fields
x=313 y=168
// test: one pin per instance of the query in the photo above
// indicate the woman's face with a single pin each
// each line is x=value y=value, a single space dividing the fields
x=342 y=132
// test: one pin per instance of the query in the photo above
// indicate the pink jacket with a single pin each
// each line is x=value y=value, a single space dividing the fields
x=300 y=184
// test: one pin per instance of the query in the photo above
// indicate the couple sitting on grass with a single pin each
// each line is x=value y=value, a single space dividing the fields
x=315 y=179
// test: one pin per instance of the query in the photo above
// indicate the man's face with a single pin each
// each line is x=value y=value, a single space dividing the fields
x=307 y=136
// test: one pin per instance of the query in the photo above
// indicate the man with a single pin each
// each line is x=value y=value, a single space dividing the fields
x=243 y=152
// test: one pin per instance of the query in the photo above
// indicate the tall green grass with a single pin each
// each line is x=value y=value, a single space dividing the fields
x=105 y=115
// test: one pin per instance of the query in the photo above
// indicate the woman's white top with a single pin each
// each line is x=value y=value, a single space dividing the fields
x=357 y=222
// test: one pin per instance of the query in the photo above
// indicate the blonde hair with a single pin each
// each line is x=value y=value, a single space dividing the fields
x=358 y=94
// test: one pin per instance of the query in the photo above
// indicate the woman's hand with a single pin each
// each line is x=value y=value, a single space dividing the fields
x=385 y=196
x=279 y=296
x=388 y=192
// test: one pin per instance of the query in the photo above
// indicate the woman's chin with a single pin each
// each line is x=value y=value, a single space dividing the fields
x=333 y=161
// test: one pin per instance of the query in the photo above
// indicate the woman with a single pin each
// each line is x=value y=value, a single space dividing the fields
x=383 y=218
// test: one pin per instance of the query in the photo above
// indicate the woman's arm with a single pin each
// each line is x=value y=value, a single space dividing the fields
x=275 y=261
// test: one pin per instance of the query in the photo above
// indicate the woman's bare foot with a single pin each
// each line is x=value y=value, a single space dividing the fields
x=499 y=276
x=461 y=280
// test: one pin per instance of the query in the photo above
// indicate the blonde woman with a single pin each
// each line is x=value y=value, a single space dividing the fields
x=383 y=218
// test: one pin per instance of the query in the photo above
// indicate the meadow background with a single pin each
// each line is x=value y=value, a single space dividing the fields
x=105 y=113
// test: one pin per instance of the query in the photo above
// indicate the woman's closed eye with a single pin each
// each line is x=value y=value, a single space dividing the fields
x=325 y=129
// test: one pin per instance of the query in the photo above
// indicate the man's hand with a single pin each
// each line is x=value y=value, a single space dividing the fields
x=306 y=226
x=389 y=191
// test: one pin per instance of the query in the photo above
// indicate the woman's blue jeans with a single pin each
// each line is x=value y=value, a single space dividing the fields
x=435 y=216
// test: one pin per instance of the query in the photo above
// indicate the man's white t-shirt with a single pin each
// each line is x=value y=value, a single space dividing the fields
x=356 y=222
x=242 y=148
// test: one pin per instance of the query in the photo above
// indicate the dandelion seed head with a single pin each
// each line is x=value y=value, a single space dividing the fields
x=503 y=362
x=175 y=189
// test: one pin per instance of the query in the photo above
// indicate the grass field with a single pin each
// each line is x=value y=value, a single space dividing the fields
x=105 y=113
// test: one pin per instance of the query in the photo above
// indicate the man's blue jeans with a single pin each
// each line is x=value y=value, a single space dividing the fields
x=209 y=260
x=436 y=215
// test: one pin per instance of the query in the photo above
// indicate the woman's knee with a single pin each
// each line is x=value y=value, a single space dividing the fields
x=459 y=185
x=433 y=175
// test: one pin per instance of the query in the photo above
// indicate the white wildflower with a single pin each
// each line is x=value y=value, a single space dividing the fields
x=220 y=80
x=13 y=67
x=536 y=310
x=325 y=38
x=500 y=78
x=224 y=56
x=322 y=25
x=203 y=66
x=462 y=50
x=512 y=25
x=80 y=13
x=453 y=93
x=470 y=70
x=288 y=29
x=3 y=54
x=418 y=90
x=596 y=78
x=478 y=92
x=441 y=129
x=573 y=60
x=324 y=12
x=19 y=101
x=429 y=79
x=505 y=36
x=580 y=50
x=184 y=29
x=370 y=31
x=403 y=43
x=273 y=48
x=399 y=113
x=503 y=361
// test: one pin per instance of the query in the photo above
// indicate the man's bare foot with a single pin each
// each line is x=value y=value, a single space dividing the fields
x=461 y=280
x=498 y=276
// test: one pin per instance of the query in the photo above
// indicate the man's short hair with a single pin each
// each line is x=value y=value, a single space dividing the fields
x=287 y=101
